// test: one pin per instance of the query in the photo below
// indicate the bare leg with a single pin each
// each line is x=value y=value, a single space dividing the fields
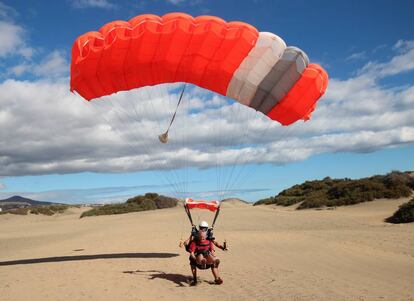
x=194 y=272
x=216 y=275
x=201 y=260
x=213 y=260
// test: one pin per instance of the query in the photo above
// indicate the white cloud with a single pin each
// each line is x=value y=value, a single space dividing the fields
x=404 y=62
x=2 y=186
x=105 y=4
x=52 y=65
x=48 y=130
x=12 y=36
x=12 y=40
x=7 y=12
x=357 y=56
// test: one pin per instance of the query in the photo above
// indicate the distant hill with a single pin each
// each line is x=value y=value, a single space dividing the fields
x=20 y=202
x=234 y=202
x=338 y=192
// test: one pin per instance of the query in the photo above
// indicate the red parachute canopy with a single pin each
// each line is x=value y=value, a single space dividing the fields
x=209 y=205
x=254 y=68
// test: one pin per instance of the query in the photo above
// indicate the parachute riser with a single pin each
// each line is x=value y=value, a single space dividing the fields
x=189 y=215
x=215 y=217
x=164 y=136
x=187 y=211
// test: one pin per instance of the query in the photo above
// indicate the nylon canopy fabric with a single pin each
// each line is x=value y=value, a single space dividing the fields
x=229 y=58
x=209 y=205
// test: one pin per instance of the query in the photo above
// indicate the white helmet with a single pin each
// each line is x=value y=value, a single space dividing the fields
x=203 y=224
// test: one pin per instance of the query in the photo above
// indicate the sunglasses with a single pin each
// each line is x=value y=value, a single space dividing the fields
x=203 y=228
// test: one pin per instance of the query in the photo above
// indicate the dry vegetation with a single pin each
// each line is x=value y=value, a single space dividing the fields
x=149 y=201
x=339 y=192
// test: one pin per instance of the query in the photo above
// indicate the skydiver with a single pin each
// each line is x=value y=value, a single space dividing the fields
x=202 y=253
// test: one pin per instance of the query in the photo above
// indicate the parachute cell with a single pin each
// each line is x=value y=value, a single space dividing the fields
x=230 y=58
x=209 y=205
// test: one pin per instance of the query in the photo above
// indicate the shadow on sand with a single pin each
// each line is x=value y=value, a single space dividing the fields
x=88 y=257
x=180 y=280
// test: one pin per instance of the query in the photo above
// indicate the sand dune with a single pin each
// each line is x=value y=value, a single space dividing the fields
x=275 y=254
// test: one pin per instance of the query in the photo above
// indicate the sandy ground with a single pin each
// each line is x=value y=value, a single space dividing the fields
x=275 y=254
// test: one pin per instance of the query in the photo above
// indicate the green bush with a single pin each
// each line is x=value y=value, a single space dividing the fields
x=339 y=192
x=18 y=211
x=48 y=210
x=404 y=214
x=149 y=201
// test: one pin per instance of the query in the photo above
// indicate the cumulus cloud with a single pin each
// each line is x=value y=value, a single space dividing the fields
x=401 y=63
x=53 y=65
x=48 y=130
x=13 y=43
x=12 y=40
x=105 y=4
x=12 y=36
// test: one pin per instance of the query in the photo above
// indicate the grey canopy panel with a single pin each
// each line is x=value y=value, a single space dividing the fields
x=280 y=79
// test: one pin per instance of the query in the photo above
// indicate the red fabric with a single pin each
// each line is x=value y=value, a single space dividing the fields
x=301 y=100
x=150 y=50
x=199 y=246
x=209 y=205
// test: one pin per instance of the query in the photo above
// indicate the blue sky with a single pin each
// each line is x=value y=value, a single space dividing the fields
x=362 y=127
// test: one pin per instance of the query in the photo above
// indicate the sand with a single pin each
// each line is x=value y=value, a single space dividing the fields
x=275 y=254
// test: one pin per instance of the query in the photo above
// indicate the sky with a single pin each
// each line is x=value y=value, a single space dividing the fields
x=56 y=147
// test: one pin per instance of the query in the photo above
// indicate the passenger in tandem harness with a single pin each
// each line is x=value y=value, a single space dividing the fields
x=201 y=243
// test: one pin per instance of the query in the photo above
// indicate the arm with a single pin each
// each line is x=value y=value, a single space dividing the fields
x=218 y=245
x=192 y=250
x=187 y=241
x=212 y=250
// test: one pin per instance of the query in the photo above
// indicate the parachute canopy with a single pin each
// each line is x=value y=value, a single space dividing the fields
x=230 y=58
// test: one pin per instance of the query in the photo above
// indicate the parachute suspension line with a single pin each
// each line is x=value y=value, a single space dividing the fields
x=242 y=171
x=178 y=175
x=164 y=137
x=217 y=133
x=233 y=139
x=149 y=93
x=251 y=171
x=154 y=93
x=173 y=174
x=186 y=148
x=227 y=176
x=116 y=130
x=158 y=94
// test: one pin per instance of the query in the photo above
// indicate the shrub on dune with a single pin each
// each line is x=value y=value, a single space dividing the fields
x=149 y=201
x=404 y=214
x=341 y=192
